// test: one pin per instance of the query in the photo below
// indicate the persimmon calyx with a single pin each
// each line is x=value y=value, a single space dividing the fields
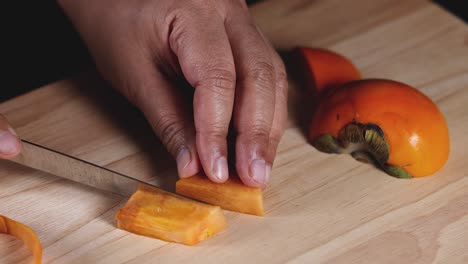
x=365 y=142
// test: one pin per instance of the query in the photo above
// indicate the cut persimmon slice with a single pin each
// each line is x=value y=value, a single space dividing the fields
x=11 y=227
x=232 y=195
x=326 y=70
x=155 y=213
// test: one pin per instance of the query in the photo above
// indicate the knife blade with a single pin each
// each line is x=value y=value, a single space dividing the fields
x=75 y=169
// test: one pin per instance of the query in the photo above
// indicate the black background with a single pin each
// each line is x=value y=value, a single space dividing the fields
x=42 y=46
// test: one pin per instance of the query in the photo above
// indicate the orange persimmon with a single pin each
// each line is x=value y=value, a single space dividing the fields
x=326 y=69
x=155 y=213
x=388 y=122
x=11 y=227
x=232 y=195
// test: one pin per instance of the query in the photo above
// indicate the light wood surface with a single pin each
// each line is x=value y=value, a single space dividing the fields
x=319 y=208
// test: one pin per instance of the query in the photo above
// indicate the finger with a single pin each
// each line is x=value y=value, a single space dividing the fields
x=281 y=102
x=165 y=110
x=205 y=57
x=255 y=102
x=10 y=145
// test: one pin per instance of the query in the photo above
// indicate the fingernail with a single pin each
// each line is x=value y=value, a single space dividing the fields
x=8 y=143
x=258 y=171
x=183 y=160
x=220 y=169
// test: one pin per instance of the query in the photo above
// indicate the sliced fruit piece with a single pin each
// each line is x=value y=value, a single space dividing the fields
x=11 y=227
x=232 y=195
x=326 y=69
x=155 y=213
x=386 y=122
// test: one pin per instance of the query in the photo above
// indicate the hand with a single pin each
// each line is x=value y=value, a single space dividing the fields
x=10 y=145
x=142 y=46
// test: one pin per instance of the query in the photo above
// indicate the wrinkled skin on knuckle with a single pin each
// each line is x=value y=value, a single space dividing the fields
x=215 y=133
x=180 y=19
x=259 y=131
x=255 y=133
x=219 y=80
x=213 y=141
x=262 y=75
x=171 y=131
x=178 y=24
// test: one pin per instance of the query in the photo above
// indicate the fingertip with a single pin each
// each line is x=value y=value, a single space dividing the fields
x=248 y=181
x=191 y=170
x=220 y=171
x=10 y=144
x=257 y=173
x=187 y=163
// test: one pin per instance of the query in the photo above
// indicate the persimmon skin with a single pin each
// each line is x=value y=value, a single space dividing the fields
x=326 y=70
x=414 y=128
x=231 y=195
x=26 y=234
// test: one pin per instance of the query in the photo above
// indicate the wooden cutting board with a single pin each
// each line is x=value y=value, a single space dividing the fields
x=320 y=208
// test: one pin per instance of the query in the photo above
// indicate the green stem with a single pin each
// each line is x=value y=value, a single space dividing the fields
x=366 y=143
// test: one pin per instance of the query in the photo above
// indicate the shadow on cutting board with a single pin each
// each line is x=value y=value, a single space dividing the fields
x=132 y=125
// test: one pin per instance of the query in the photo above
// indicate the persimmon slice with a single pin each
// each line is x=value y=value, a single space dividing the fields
x=155 y=213
x=232 y=195
x=11 y=227
x=326 y=70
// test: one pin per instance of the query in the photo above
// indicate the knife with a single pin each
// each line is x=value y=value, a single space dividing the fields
x=77 y=170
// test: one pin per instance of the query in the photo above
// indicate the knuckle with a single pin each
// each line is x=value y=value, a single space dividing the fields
x=177 y=29
x=214 y=137
x=219 y=80
x=262 y=76
x=170 y=130
x=262 y=71
x=214 y=131
x=259 y=130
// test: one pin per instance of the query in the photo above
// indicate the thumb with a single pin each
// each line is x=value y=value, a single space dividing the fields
x=10 y=145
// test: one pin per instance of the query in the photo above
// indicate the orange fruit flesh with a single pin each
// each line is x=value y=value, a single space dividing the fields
x=232 y=195
x=155 y=213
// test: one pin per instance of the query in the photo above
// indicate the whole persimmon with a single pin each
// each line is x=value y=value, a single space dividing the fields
x=387 y=122
x=325 y=69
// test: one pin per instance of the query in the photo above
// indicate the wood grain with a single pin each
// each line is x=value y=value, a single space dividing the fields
x=319 y=208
